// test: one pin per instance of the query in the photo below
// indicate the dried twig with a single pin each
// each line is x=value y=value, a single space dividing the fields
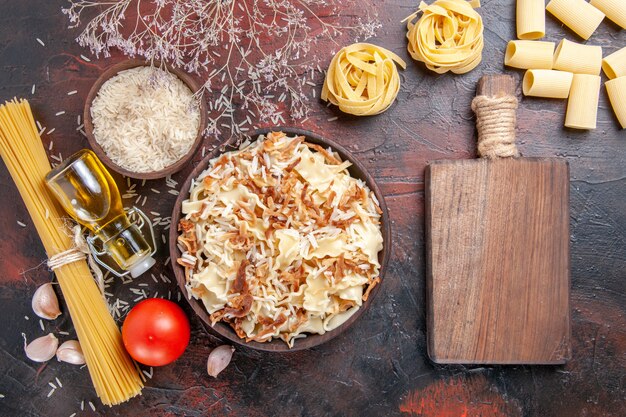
x=254 y=56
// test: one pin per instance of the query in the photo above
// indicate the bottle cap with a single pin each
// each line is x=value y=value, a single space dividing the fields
x=141 y=266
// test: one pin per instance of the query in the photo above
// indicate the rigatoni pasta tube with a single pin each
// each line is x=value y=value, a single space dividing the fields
x=615 y=10
x=582 y=107
x=531 y=19
x=577 y=58
x=529 y=54
x=616 y=90
x=578 y=15
x=614 y=65
x=547 y=83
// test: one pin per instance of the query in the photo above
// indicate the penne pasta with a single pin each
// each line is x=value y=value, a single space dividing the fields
x=582 y=107
x=531 y=19
x=614 y=65
x=578 y=15
x=529 y=54
x=547 y=83
x=577 y=58
x=616 y=90
x=615 y=10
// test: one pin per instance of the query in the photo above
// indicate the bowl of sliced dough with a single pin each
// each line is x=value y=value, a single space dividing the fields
x=280 y=243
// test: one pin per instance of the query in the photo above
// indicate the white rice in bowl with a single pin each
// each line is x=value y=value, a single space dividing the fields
x=145 y=119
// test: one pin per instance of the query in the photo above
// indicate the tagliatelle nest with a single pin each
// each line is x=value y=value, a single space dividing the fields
x=362 y=79
x=447 y=37
x=279 y=240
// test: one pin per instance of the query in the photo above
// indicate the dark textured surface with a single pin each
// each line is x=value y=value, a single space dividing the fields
x=379 y=367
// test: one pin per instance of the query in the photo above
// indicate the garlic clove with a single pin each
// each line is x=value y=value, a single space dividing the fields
x=45 y=303
x=219 y=358
x=41 y=349
x=71 y=352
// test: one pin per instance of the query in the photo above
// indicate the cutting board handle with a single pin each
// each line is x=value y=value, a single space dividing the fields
x=495 y=106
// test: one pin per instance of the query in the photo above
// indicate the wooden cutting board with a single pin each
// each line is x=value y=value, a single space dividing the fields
x=498 y=257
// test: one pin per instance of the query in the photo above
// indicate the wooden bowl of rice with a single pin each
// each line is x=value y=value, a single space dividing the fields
x=223 y=330
x=178 y=148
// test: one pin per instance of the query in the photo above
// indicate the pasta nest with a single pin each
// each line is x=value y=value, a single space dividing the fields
x=362 y=79
x=278 y=239
x=447 y=37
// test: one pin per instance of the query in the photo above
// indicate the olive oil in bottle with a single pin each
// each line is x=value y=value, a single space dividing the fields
x=89 y=194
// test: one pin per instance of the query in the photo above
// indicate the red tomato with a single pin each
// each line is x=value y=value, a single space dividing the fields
x=156 y=332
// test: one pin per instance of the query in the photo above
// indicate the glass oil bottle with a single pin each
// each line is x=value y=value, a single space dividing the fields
x=89 y=194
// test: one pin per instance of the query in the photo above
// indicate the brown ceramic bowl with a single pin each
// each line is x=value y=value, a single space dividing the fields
x=111 y=72
x=357 y=170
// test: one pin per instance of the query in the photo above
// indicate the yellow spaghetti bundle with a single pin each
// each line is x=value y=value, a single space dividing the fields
x=362 y=79
x=447 y=37
x=115 y=376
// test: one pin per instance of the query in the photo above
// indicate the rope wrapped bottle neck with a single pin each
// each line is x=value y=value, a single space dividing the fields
x=495 y=121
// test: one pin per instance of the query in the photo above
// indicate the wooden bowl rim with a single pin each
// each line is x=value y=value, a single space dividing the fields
x=110 y=72
x=357 y=170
